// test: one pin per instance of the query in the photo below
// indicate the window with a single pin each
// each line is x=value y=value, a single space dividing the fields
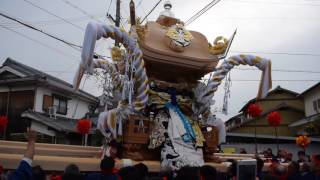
x=47 y=102
x=61 y=105
x=316 y=105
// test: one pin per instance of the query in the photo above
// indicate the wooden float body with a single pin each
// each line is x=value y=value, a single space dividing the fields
x=55 y=157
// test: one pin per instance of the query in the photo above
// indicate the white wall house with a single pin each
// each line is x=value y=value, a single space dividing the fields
x=312 y=100
x=310 y=124
x=50 y=104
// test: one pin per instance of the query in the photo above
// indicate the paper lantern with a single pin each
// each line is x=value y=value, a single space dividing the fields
x=83 y=126
x=274 y=119
x=302 y=141
x=3 y=123
x=254 y=110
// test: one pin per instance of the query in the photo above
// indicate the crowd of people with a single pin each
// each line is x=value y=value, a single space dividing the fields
x=281 y=168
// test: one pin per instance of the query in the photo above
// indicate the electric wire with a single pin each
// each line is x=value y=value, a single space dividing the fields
x=275 y=3
x=48 y=12
x=109 y=7
x=81 y=10
x=154 y=7
x=202 y=11
x=276 y=53
x=139 y=3
x=281 y=70
x=72 y=45
x=40 y=43
x=48 y=22
x=41 y=31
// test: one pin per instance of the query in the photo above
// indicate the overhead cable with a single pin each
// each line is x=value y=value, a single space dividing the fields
x=48 y=12
x=39 y=42
x=276 y=53
x=281 y=70
x=202 y=11
x=154 y=7
x=72 y=45
x=41 y=31
x=49 y=22
x=81 y=10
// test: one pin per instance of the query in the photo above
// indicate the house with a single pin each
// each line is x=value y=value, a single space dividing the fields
x=310 y=124
x=256 y=134
x=286 y=102
x=29 y=96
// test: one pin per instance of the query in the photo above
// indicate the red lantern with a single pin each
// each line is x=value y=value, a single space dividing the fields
x=3 y=123
x=274 y=119
x=83 y=126
x=254 y=110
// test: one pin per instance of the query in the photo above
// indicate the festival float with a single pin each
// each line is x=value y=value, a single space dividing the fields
x=162 y=105
x=163 y=108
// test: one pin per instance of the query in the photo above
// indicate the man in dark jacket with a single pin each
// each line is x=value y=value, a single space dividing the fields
x=107 y=170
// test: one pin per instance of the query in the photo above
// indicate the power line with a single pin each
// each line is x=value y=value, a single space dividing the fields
x=81 y=10
x=52 y=21
x=74 y=46
x=265 y=18
x=154 y=7
x=44 y=10
x=281 y=70
x=139 y=4
x=277 y=53
x=109 y=7
x=275 y=3
x=38 y=42
x=202 y=11
x=41 y=31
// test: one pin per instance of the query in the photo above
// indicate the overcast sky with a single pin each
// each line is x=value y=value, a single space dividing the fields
x=285 y=31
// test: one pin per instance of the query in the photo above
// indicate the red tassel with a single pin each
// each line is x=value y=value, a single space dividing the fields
x=83 y=126
x=254 y=110
x=3 y=123
x=274 y=119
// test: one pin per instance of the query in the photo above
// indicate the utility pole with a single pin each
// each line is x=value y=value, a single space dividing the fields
x=132 y=14
x=117 y=20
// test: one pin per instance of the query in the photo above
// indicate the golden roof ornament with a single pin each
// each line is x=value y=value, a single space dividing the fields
x=179 y=37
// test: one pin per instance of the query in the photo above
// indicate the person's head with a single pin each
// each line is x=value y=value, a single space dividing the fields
x=142 y=170
x=243 y=151
x=289 y=157
x=72 y=169
x=293 y=168
x=269 y=152
x=188 y=173
x=301 y=155
x=115 y=149
x=72 y=172
x=265 y=154
x=107 y=164
x=260 y=164
x=208 y=172
x=129 y=173
x=282 y=153
x=38 y=173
